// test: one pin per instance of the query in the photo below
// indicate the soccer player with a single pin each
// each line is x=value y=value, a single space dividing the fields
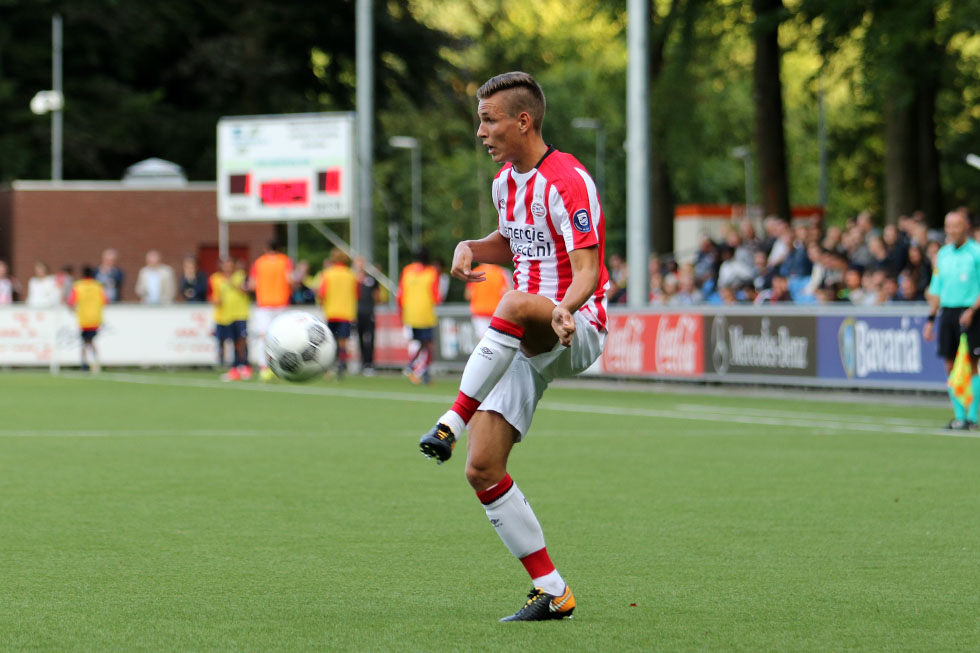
x=418 y=295
x=270 y=278
x=552 y=324
x=88 y=297
x=485 y=295
x=338 y=296
x=954 y=295
x=227 y=291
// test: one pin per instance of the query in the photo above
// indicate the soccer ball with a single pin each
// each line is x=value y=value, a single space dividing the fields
x=299 y=346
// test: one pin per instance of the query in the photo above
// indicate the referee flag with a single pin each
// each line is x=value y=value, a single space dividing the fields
x=959 y=380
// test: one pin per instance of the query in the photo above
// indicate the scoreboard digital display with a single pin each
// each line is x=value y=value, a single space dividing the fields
x=286 y=167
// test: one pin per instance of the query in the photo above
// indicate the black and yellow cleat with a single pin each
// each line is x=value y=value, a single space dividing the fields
x=438 y=443
x=541 y=606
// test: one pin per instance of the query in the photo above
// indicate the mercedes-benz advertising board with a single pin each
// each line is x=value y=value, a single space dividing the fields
x=760 y=345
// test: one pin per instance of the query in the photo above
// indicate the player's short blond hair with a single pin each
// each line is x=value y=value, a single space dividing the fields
x=526 y=95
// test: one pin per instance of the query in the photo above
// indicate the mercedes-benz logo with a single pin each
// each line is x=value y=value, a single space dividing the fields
x=719 y=344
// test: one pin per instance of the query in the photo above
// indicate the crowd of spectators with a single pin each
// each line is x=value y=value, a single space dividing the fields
x=801 y=263
x=156 y=282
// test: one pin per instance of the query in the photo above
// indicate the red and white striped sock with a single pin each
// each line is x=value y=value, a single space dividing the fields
x=515 y=523
x=488 y=362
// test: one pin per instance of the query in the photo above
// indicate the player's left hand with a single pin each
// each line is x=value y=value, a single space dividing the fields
x=966 y=318
x=564 y=325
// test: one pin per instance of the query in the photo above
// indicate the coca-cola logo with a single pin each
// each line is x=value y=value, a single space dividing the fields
x=677 y=344
x=624 y=346
x=654 y=344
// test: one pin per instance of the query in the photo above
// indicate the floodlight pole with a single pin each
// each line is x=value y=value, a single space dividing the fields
x=410 y=143
x=638 y=152
x=56 y=115
x=362 y=232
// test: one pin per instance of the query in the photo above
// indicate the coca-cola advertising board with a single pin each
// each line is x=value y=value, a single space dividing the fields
x=666 y=345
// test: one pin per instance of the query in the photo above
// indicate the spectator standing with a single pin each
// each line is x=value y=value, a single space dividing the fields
x=271 y=281
x=618 y=276
x=42 y=288
x=303 y=284
x=485 y=295
x=367 y=298
x=418 y=295
x=918 y=268
x=338 y=296
x=9 y=288
x=88 y=297
x=704 y=260
x=110 y=275
x=65 y=277
x=193 y=284
x=896 y=248
x=155 y=282
x=797 y=263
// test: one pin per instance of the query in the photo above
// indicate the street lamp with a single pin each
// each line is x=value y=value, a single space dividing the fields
x=600 y=149
x=745 y=154
x=410 y=143
x=53 y=101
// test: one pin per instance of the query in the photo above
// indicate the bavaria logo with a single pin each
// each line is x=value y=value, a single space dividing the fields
x=537 y=210
x=581 y=221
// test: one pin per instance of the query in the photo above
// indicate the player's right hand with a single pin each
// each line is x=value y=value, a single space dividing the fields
x=462 y=267
x=927 y=331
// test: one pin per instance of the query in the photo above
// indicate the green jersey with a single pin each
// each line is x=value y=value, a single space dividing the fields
x=956 y=279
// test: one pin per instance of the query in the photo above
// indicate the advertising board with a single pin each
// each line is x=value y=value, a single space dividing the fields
x=665 y=344
x=760 y=345
x=877 y=348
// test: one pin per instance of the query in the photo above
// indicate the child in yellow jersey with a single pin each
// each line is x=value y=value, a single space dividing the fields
x=88 y=297
x=338 y=296
x=418 y=295
x=227 y=291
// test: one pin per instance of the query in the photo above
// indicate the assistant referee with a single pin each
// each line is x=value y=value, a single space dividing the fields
x=954 y=299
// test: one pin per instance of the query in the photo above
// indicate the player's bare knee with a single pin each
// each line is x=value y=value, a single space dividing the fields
x=482 y=476
x=511 y=306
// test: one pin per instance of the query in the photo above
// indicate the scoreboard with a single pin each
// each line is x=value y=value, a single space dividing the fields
x=286 y=167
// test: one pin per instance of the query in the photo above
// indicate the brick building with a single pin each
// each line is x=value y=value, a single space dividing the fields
x=71 y=222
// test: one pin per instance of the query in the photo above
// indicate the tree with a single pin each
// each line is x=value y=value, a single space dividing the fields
x=770 y=137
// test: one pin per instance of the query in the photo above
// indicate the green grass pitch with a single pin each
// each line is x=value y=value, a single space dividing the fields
x=169 y=511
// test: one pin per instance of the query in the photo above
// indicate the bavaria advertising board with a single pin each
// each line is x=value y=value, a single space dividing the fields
x=760 y=345
x=877 y=348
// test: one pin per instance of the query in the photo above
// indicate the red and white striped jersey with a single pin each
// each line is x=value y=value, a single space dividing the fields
x=545 y=213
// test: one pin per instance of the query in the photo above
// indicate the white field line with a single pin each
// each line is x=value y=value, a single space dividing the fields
x=765 y=412
x=108 y=433
x=724 y=416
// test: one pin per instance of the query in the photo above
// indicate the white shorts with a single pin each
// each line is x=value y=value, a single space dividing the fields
x=262 y=317
x=517 y=393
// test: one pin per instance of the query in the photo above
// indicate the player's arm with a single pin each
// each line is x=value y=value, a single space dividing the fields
x=585 y=279
x=932 y=296
x=491 y=249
